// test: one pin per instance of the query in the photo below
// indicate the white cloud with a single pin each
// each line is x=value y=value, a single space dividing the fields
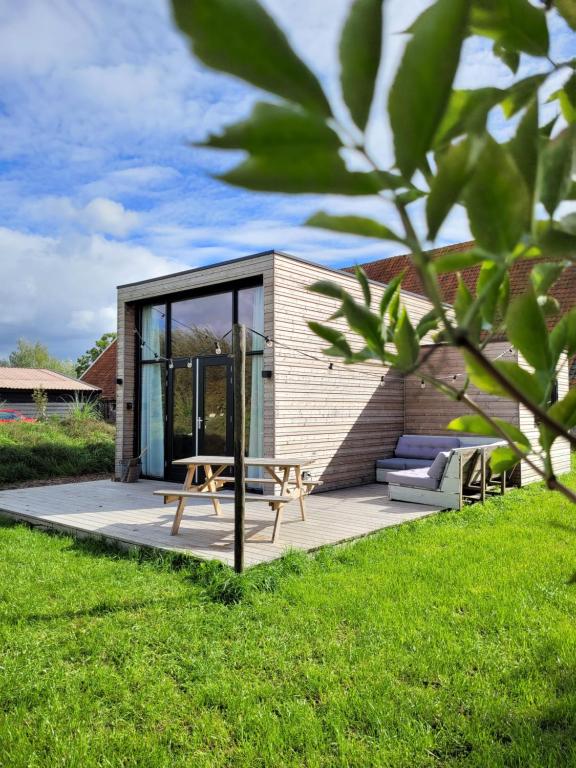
x=109 y=217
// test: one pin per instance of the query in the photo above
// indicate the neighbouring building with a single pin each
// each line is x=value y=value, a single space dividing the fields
x=18 y=384
x=174 y=373
x=102 y=374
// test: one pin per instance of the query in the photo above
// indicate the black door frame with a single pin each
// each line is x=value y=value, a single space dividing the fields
x=177 y=474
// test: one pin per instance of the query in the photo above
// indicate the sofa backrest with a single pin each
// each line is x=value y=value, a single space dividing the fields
x=424 y=446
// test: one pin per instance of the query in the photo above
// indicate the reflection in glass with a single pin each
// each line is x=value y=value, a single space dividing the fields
x=197 y=324
x=182 y=414
x=215 y=421
x=153 y=331
x=251 y=313
x=152 y=420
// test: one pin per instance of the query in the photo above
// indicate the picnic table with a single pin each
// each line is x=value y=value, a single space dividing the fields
x=286 y=473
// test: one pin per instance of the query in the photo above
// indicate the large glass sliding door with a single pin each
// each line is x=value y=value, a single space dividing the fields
x=186 y=389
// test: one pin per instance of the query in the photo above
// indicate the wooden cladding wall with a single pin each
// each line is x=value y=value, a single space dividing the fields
x=560 y=449
x=344 y=418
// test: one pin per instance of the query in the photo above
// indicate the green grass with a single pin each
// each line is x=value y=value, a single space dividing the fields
x=55 y=448
x=446 y=642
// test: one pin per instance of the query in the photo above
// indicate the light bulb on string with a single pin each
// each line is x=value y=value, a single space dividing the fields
x=189 y=363
x=422 y=384
x=218 y=348
x=171 y=364
x=268 y=341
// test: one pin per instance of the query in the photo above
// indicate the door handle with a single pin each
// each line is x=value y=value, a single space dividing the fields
x=199 y=421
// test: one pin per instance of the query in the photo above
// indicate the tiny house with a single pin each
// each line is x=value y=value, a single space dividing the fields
x=174 y=372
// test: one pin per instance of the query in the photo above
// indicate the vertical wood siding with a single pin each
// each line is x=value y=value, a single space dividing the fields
x=344 y=418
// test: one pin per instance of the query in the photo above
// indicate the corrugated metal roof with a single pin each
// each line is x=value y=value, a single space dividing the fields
x=36 y=378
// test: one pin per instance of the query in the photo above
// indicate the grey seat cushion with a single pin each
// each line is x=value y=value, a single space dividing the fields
x=415 y=478
x=424 y=446
x=399 y=463
x=439 y=465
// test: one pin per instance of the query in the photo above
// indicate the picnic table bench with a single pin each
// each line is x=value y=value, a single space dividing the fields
x=279 y=473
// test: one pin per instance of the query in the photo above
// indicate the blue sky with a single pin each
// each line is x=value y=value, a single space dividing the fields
x=98 y=184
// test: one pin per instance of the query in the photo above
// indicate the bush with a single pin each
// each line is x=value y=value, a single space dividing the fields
x=55 y=448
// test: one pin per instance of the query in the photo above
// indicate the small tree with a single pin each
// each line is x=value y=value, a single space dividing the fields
x=85 y=361
x=34 y=354
x=40 y=397
x=445 y=155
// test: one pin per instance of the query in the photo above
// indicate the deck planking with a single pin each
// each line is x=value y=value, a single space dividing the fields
x=129 y=514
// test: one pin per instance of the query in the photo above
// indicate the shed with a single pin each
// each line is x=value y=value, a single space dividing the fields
x=18 y=384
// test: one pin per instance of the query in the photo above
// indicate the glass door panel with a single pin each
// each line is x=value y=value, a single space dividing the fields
x=181 y=441
x=215 y=406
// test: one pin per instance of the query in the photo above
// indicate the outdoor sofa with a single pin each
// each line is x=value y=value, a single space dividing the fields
x=438 y=469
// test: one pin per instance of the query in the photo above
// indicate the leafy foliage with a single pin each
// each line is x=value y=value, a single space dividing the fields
x=85 y=361
x=34 y=354
x=512 y=190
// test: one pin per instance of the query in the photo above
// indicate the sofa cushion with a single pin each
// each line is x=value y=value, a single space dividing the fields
x=438 y=466
x=399 y=463
x=424 y=446
x=415 y=478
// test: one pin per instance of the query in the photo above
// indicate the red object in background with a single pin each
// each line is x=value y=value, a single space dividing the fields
x=8 y=415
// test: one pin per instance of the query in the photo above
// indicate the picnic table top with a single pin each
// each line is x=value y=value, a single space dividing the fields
x=253 y=462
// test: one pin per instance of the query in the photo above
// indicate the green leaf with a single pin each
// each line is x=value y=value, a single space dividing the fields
x=295 y=172
x=328 y=288
x=365 y=323
x=462 y=305
x=502 y=459
x=515 y=24
x=520 y=94
x=392 y=289
x=466 y=111
x=340 y=347
x=497 y=200
x=544 y=275
x=555 y=169
x=527 y=330
x=524 y=146
x=510 y=58
x=360 y=51
x=353 y=225
x=241 y=38
x=364 y=284
x=406 y=342
x=423 y=83
x=522 y=379
x=488 y=285
x=273 y=127
x=555 y=243
x=455 y=168
x=564 y=413
x=567 y=9
x=478 y=425
x=454 y=262
x=427 y=323
x=566 y=96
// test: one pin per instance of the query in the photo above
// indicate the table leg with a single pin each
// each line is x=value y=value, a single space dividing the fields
x=213 y=487
x=299 y=486
x=277 y=522
x=188 y=482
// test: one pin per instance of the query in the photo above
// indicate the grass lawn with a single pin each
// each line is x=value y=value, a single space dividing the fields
x=446 y=642
x=55 y=448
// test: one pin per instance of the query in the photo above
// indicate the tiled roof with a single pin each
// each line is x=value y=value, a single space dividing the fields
x=102 y=372
x=384 y=270
x=36 y=378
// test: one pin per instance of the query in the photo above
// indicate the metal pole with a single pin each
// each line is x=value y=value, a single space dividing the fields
x=239 y=348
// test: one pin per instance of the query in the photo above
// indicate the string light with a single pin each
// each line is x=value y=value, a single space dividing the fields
x=218 y=348
x=171 y=364
x=189 y=363
x=268 y=341
x=422 y=384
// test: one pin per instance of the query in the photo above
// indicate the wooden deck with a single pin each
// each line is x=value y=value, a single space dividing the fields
x=130 y=514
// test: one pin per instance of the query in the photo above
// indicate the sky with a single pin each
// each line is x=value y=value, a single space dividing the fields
x=99 y=186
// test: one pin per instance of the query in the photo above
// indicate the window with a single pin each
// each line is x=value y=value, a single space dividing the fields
x=197 y=324
x=153 y=332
